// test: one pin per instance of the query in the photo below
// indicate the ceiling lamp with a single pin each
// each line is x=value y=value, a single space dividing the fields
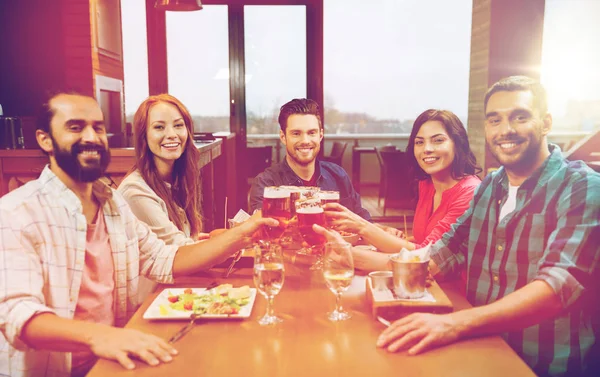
x=178 y=5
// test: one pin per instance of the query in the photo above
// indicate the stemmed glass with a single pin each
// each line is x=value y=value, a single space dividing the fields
x=276 y=204
x=338 y=271
x=268 y=277
x=310 y=212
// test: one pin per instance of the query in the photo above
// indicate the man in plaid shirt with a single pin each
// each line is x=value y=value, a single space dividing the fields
x=71 y=253
x=530 y=242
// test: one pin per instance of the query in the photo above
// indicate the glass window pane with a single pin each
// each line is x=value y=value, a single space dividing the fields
x=275 y=57
x=198 y=65
x=386 y=61
x=135 y=54
x=570 y=61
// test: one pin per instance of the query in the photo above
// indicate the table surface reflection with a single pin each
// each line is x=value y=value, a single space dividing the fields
x=307 y=343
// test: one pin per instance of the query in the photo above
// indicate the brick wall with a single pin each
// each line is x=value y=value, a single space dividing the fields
x=506 y=40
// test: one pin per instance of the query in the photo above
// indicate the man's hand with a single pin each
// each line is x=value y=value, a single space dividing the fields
x=421 y=332
x=121 y=344
x=341 y=218
x=329 y=235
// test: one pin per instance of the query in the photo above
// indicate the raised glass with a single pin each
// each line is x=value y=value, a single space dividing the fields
x=310 y=212
x=276 y=204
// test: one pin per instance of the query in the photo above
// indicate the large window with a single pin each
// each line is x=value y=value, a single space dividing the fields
x=570 y=63
x=275 y=59
x=386 y=61
x=135 y=54
x=198 y=65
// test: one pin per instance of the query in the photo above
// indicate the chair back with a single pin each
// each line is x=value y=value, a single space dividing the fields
x=259 y=158
x=337 y=152
x=399 y=191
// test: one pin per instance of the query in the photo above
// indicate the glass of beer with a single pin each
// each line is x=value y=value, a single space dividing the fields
x=268 y=277
x=338 y=271
x=310 y=212
x=276 y=204
x=329 y=197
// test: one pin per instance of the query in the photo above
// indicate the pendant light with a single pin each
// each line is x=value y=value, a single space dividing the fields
x=178 y=5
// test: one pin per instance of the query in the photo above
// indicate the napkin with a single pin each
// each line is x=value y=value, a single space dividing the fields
x=417 y=255
x=239 y=218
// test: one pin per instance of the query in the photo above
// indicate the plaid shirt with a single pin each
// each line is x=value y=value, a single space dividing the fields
x=553 y=235
x=42 y=255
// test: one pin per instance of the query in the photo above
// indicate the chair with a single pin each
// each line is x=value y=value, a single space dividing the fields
x=381 y=173
x=337 y=153
x=258 y=159
x=399 y=192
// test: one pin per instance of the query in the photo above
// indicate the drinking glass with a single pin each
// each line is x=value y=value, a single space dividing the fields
x=276 y=204
x=268 y=277
x=338 y=271
x=310 y=212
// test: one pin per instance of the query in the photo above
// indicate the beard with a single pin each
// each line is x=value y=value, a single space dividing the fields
x=526 y=158
x=304 y=162
x=69 y=162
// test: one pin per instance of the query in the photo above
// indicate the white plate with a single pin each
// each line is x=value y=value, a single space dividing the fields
x=153 y=311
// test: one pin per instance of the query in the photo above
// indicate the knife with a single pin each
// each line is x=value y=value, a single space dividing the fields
x=185 y=329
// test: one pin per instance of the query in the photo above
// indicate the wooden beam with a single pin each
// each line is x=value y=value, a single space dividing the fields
x=157 y=49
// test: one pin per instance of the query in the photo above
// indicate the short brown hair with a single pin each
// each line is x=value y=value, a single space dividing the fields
x=299 y=106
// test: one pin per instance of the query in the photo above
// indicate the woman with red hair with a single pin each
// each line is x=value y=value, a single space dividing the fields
x=163 y=189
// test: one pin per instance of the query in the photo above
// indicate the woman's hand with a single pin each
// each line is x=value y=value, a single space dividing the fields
x=363 y=259
x=341 y=218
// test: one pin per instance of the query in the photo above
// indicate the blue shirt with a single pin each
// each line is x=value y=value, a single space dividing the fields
x=331 y=177
x=553 y=235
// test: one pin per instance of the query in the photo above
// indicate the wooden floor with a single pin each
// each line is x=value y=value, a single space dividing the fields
x=393 y=217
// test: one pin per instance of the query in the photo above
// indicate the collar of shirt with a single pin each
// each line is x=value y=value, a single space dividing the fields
x=289 y=175
x=538 y=179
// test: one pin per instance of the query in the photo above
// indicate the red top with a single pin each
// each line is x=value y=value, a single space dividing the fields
x=428 y=226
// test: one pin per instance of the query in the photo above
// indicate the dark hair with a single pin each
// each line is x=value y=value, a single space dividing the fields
x=520 y=83
x=185 y=191
x=464 y=160
x=298 y=106
x=46 y=112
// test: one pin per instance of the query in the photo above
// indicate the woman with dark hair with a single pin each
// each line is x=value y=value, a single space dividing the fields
x=163 y=189
x=441 y=159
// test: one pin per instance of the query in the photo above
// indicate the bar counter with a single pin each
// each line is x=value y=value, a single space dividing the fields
x=18 y=166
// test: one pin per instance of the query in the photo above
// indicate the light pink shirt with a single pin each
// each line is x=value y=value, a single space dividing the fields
x=96 y=294
x=42 y=256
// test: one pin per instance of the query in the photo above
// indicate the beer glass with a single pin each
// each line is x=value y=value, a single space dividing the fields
x=338 y=271
x=310 y=212
x=268 y=277
x=329 y=197
x=276 y=204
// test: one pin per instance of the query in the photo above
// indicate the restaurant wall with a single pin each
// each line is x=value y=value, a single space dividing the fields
x=47 y=46
x=506 y=40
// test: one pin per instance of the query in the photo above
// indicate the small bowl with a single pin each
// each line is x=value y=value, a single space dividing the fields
x=351 y=238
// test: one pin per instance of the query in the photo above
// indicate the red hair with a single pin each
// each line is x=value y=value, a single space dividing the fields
x=185 y=190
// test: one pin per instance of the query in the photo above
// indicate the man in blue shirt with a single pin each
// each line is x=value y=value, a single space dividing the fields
x=301 y=133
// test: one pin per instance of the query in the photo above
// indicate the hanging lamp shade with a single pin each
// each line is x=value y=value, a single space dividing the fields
x=178 y=5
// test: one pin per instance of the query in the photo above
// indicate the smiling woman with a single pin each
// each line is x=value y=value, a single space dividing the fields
x=163 y=190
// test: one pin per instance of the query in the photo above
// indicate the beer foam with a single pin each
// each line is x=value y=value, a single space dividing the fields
x=329 y=195
x=311 y=210
x=276 y=193
x=293 y=188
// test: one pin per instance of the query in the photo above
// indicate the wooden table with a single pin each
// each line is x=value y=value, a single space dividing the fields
x=307 y=343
